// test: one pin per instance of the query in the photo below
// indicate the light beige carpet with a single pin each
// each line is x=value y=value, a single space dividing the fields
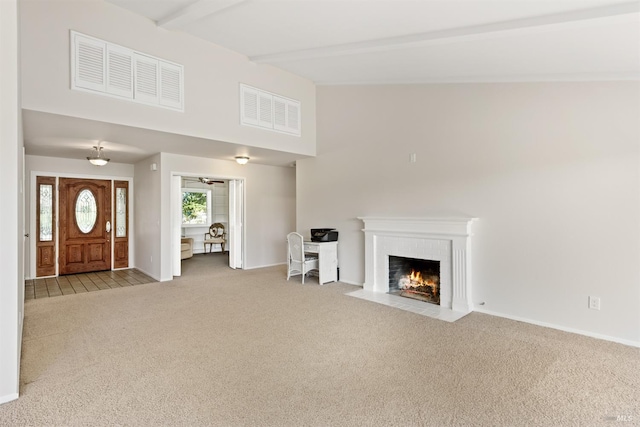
x=230 y=348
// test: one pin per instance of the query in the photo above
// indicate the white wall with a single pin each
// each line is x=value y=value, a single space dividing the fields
x=212 y=76
x=56 y=166
x=551 y=170
x=269 y=210
x=11 y=220
x=147 y=216
x=75 y=167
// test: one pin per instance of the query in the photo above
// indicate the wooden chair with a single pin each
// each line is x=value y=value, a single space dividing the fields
x=215 y=236
x=297 y=261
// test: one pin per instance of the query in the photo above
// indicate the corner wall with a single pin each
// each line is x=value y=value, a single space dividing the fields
x=550 y=169
x=11 y=219
x=147 y=216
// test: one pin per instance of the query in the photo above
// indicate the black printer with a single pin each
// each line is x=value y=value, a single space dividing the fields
x=324 y=235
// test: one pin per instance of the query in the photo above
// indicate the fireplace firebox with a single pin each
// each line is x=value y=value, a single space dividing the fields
x=415 y=278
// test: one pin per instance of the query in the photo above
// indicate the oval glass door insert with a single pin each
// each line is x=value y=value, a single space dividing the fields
x=86 y=211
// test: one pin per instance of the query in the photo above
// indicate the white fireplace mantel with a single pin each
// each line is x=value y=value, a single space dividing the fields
x=444 y=239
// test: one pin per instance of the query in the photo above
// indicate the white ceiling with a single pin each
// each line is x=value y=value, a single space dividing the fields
x=371 y=42
x=54 y=135
x=417 y=41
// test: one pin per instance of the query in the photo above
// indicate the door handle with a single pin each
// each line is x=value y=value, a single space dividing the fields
x=108 y=226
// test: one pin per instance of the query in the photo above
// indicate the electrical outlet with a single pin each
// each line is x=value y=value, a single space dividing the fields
x=594 y=303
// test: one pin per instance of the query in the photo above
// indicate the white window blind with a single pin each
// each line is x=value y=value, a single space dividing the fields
x=101 y=67
x=267 y=110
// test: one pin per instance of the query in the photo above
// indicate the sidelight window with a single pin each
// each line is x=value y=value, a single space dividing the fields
x=46 y=212
x=121 y=212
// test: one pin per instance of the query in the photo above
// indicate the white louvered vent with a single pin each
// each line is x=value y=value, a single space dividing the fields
x=293 y=117
x=269 y=111
x=146 y=87
x=265 y=118
x=249 y=106
x=119 y=72
x=113 y=70
x=170 y=85
x=89 y=72
x=279 y=114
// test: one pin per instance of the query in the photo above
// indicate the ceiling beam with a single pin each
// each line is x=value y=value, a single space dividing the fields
x=559 y=20
x=193 y=12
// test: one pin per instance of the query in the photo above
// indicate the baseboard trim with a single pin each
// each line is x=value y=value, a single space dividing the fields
x=349 y=282
x=265 y=266
x=630 y=343
x=8 y=398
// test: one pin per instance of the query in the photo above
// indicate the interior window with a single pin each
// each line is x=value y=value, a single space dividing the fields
x=196 y=206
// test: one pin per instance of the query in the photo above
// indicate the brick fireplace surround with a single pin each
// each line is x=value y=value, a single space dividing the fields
x=444 y=239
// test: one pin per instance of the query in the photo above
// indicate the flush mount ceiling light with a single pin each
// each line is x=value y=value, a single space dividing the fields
x=97 y=156
x=242 y=160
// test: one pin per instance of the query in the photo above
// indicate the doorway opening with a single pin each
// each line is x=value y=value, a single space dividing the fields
x=80 y=225
x=207 y=220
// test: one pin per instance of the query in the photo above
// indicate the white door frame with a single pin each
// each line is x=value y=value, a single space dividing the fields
x=33 y=232
x=176 y=215
x=176 y=223
x=236 y=223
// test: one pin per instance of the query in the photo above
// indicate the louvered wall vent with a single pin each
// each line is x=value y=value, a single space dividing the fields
x=267 y=110
x=101 y=67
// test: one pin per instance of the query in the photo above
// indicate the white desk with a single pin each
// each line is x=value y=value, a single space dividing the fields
x=327 y=259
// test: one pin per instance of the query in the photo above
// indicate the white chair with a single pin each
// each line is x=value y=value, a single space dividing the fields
x=298 y=262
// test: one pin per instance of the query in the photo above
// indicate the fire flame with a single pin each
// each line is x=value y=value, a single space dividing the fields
x=415 y=276
x=415 y=280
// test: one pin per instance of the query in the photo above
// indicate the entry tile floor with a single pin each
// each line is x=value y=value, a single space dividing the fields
x=85 y=282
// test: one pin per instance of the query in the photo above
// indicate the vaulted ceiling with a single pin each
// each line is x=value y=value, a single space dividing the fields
x=372 y=42
x=417 y=41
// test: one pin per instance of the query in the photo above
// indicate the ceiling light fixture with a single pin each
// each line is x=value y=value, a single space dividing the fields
x=242 y=160
x=97 y=156
x=210 y=181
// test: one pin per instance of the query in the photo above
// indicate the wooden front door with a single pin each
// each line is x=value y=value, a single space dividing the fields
x=85 y=225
